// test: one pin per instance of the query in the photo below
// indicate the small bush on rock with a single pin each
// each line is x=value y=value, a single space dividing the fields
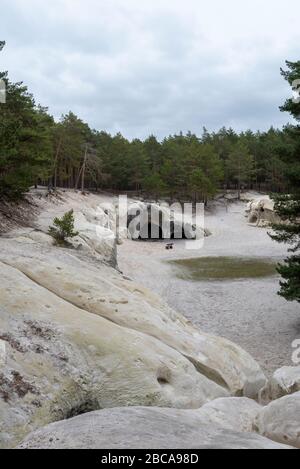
x=63 y=229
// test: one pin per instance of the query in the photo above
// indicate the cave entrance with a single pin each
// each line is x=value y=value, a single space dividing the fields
x=151 y=232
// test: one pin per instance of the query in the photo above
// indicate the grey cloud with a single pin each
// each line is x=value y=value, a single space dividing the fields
x=154 y=67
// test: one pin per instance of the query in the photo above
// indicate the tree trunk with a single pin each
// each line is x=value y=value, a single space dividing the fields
x=56 y=162
x=83 y=169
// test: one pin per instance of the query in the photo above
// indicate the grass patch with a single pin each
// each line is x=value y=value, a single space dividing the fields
x=223 y=268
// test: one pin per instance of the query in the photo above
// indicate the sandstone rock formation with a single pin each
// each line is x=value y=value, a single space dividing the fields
x=280 y=420
x=237 y=414
x=103 y=292
x=62 y=361
x=95 y=238
x=285 y=381
x=261 y=212
x=142 y=428
x=97 y=226
x=95 y=219
x=161 y=221
x=76 y=336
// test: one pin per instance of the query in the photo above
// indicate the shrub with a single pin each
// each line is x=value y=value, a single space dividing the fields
x=63 y=228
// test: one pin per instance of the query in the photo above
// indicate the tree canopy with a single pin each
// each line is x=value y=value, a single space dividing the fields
x=288 y=205
x=25 y=140
x=34 y=149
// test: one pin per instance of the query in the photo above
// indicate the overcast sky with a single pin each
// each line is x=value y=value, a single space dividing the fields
x=154 y=66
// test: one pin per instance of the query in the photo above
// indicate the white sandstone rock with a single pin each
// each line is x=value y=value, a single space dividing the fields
x=103 y=292
x=142 y=428
x=261 y=212
x=280 y=420
x=97 y=238
x=62 y=361
x=235 y=413
x=30 y=236
x=285 y=381
x=159 y=221
x=98 y=217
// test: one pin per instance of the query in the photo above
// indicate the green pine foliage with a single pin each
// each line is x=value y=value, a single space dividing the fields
x=25 y=141
x=34 y=149
x=240 y=165
x=288 y=206
x=63 y=229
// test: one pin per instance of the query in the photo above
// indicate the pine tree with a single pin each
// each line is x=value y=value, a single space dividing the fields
x=240 y=165
x=25 y=141
x=63 y=229
x=288 y=206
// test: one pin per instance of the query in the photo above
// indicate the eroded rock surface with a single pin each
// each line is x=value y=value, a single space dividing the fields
x=143 y=428
x=103 y=292
x=62 y=360
x=79 y=337
x=261 y=212
x=280 y=420
x=163 y=221
x=285 y=381
x=238 y=414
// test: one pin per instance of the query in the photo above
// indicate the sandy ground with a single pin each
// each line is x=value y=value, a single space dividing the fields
x=248 y=312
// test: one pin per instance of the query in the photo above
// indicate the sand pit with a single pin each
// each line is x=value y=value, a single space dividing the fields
x=247 y=311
